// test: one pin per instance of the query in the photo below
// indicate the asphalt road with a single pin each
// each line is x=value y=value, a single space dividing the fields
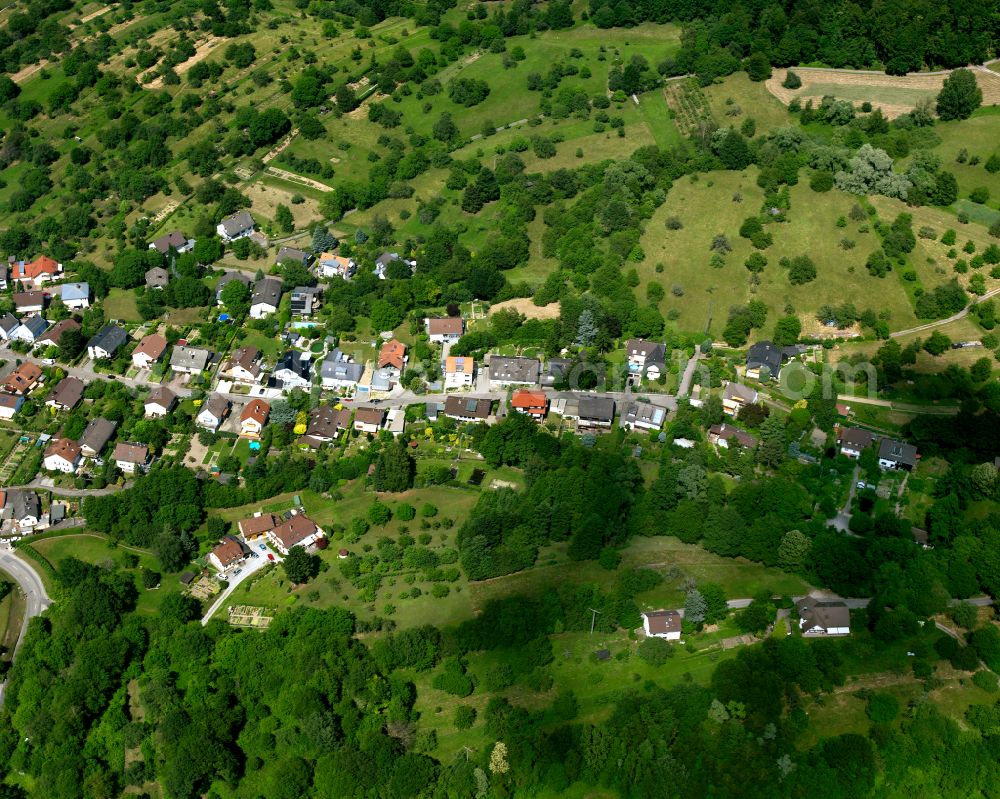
x=251 y=566
x=32 y=587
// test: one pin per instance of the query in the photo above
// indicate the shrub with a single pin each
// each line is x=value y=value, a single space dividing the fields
x=986 y=681
x=428 y=511
x=882 y=708
x=465 y=717
x=980 y=195
x=655 y=651
x=792 y=81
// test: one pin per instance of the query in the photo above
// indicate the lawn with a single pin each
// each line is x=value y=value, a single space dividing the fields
x=11 y=614
x=752 y=99
x=120 y=305
x=978 y=135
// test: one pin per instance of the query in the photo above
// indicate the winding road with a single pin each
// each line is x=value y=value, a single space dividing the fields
x=31 y=585
x=953 y=318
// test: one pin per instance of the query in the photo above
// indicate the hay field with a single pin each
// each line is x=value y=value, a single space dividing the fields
x=895 y=95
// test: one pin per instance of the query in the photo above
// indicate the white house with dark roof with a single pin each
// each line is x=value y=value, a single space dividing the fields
x=189 y=360
x=8 y=324
x=238 y=226
x=10 y=404
x=108 y=340
x=294 y=370
x=227 y=278
x=266 y=297
x=213 y=412
x=96 y=437
x=643 y=416
x=31 y=329
x=664 y=624
x=293 y=254
x=243 y=366
x=823 y=617
x=854 y=440
x=338 y=371
x=174 y=240
x=894 y=454
x=518 y=371
x=131 y=458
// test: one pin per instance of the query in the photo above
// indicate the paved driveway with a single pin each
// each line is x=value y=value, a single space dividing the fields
x=252 y=566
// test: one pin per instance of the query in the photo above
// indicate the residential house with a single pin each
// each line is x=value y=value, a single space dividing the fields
x=305 y=300
x=253 y=418
x=395 y=421
x=338 y=371
x=66 y=395
x=645 y=357
x=513 y=371
x=228 y=277
x=330 y=265
x=823 y=617
x=556 y=371
x=131 y=458
x=896 y=455
x=149 y=351
x=368 y=419
x=5 y=274
x=735 y=396
x=8 y=324
x=459 y=371
x=532 y=403
x=392 y=358
x=9 y=405
x=24 y=507
x=35 y=274
x=227 y=553
x=595 y=412
x=54 y=335
x=160 y=402
x=326 y=423
x=467 y=409
x=265 y=298
x=238 y=226
x=31 y=329
x=189 y=360
x=174 y=240
x=75 y=295
x=157 y=278
x=107 y=342
x=213 y=412
x=286 y=254
x=257 y=525
x=448 y=329
x=854 y=440
x=723 y=434
x=664 y=624
x=643 y=416
x=386 y=259
x=294 y=370
x=62 y=455
x=298 y=531
x=24 y=378
x=96 y=437
x=243 y=366
x=29 y=302
x=765 y=359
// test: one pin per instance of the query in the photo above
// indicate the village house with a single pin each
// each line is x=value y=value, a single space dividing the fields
x=5 y=274
x=395 y=421
x=238 y=226
x=338 y=371
x=62 y=455
x=257 y=526
x=157 y=278
x=331 y=265
x=31 y=329
x=448 y=329
x=820 y=618
x=467 y=409
x=227 y=554
x=326 y=424
x=556 y=371
x=643 y=416
x=174 y=240
x=243 y=366
x=595 y=412
x=765 y=359
x=298 y=531
x=54 y=335
x=75 y=296
x=29 y=302
x=854 y=440
x=305 y=300
x=722 y=435
x=160 y=402
x=735 y=396
x=459 y=371
x=213 y=412
x=24 y=507
x=291 y=254
x=131 y=458
x=532 y=403
x=392 y=358
x=265 y=298
x=896 y=455
x=66 y=395
x=96 y=436
x=368 y=419
x=387 y=259
x=189 y=360
x=108 y=340
x=149 y=351
x=24 y=378
x=253 y=418
x=294 y=370
x=227 y=278
x=9 y=405
x=646 y=357
x=35 y=274
x=8 y=324
x=664 y=624
x=513 y=371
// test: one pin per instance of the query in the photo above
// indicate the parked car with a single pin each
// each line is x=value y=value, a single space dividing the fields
x=270 y=556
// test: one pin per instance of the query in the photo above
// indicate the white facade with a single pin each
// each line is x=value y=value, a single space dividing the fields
x=57 y=463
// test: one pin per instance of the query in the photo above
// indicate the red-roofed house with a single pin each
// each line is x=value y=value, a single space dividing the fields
x=227 y=553
x=392 y=357
x=253 y=418
x=533 y=403
x=35 y=274
x=256 y=526
x=298 y=531
x=149 y=351
x=62 y=455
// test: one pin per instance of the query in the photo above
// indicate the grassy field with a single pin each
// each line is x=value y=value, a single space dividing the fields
x=120 y=304
x=753 y=100
x=978 y=135
x=12 y=609
x=706 y=207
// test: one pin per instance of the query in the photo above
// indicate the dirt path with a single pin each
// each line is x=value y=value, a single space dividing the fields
x=200 y=54
x=291 y=177
x=281 y=146
x=953 y=318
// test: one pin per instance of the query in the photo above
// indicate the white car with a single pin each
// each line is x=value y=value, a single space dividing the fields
x=862 y=485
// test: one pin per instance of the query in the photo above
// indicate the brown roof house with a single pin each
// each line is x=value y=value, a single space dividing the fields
x=66 y=395
x=722 y=435
x=823 y=617
x=325 y=424
x=213 y=412
x=664 y=624
x=258 y=525
x=854 y=440
x=298 y=531
x=449 y=329
x=467 y=409
x=735 y=396
x=253 y=418
x=227 y=553
x=160 y=402
x=243 y=366
x=55 y=333
x=131 y=458
x=96 y=436
x=149 y=351
x=62 y=455
x=368 y=419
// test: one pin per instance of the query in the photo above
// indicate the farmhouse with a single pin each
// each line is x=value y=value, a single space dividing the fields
x=75 y=295
x=854 y=440
x=131 y=458
x=243 y=366
x=532 y=403
x=735 y=396
x=818 y=617
x=189 y=360
x=157 y=278
x=664 y=624
x=513 y=371
x=96 y=436
x=66 y=395
x=160 y=402
x=253 y=418
x=55 y=333
x=212 y=412
x=107 y=342
x=448 y=329
x=237 y=226
x=149 y=351
x=265 y=298
x=896 y=455
x=229 y=552
x=258 y=525
x=298 y=531
x=62 y=455
x=368 y=419
x=174 y=240
x=22 y=379
x=459 y=371
x=9 y=405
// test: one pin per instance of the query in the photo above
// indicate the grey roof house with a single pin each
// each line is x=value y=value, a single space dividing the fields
x=596 y=411
x=228 y=277
x=896 y=455
x=509 y=371
x=8 y=324
x=174 y=240
x=189 y=359
x=75 y=295
x=305 y=300
x=336 y=371
x=643 y=415
x=266 y=297
x=293 y=254
x=237 y=226
x=96 y=436
x=108 y=340
x=293 y=370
